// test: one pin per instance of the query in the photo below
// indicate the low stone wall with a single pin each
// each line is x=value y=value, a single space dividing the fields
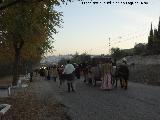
x=144 y=60
x=149 y=74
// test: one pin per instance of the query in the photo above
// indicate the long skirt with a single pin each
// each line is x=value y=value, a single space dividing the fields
x=106 y=82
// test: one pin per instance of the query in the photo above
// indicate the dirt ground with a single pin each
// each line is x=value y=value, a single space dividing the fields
x=31 y=103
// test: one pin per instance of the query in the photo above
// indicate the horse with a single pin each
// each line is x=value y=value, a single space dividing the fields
x=122 y=74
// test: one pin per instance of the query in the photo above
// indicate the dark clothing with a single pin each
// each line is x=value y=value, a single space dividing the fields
x=123 y=74
x=123 y=71
x=70 y=86
x=69 y=77
x=60 y=73
x=77 y=72
x=31 y=76
x=48 y=77
x=42 y=72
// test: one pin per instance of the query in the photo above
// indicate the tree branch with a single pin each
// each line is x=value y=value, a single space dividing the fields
x=6 y=5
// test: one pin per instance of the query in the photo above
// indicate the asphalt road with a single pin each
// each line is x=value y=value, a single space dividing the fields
x=139 y=102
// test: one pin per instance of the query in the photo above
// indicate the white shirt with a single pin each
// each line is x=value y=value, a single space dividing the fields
x=69 y=68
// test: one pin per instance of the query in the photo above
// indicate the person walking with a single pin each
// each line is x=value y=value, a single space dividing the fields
x=106 y=75
x=61 y=75
x=42 y=73
x=68 y=71
x=54 y=73
x=85 y=71
x=77 y=71
x=31 y=76
x=46 y=73
x=48 y=76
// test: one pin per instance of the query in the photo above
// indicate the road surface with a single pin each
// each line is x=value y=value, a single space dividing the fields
x=139 y=102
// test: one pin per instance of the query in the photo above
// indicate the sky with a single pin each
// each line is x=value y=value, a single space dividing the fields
x=88 y=27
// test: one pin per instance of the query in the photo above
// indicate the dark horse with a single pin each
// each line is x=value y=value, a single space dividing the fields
x=122 y=74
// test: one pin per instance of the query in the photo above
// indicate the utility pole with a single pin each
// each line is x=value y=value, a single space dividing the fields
x=109 y=46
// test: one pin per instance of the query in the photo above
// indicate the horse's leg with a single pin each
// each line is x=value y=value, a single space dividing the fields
x=126 y=84
x=121 y=82
x=113 y=80
x=116 y=79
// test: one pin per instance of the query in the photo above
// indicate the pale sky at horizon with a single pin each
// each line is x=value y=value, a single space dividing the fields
x=87 y=28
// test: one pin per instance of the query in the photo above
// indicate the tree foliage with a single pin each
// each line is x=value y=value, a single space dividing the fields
x=27 y=28
x=118 y=53
x=140 y=49
x=80 y=58
x=153 y=46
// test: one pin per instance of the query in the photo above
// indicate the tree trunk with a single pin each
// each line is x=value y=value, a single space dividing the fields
x=17 y=47
x=16 y=66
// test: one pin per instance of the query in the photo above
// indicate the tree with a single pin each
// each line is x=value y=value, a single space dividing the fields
x=84 y=57
x=8 y=3
x=153 y=46
x=150 y=39
x=116 y=53
x=27 y=29
x=76 y=58
x=140 y=49
x=79 y=58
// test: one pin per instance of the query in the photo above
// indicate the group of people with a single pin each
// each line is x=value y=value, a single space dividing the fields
x=62 y=72
x=103 y=70
x=49 y=73
x=108 y=72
